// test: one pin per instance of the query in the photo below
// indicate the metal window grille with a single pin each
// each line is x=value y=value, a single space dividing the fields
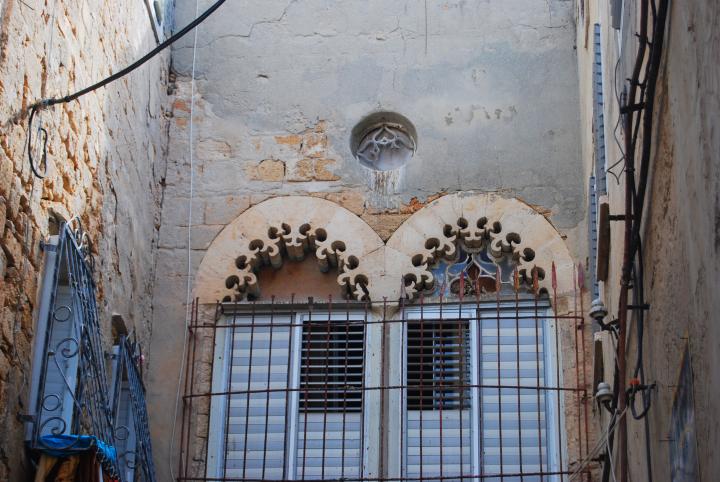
x=502 y=402
x=438 y=371
x=132 y=430
x=331 y=382
x=294 y=400
x=69 y=388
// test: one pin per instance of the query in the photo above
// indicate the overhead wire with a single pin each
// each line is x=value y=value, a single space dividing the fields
x=188 y=292
x=48 y=102
x=637 y=112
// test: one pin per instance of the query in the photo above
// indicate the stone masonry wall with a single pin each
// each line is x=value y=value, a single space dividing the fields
x=491 y=88
x=681 y=225
x=106 y=156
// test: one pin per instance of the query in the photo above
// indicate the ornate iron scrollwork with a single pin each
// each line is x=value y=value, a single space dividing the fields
x=72 y=398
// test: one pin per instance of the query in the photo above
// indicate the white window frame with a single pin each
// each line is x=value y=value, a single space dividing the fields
x=158 y=22
x=221 y=363
x=487 y=310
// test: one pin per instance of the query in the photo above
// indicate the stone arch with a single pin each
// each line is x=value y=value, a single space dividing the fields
x=292 y=227
x=281 y=228
x=506 y=226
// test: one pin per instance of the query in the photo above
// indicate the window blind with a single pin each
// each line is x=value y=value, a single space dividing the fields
x=438 y=399
x=256 y=419
x=331 y=398
x=511 y=352
x=492 y=427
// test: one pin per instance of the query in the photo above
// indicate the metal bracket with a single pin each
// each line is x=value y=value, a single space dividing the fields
x=26 y=417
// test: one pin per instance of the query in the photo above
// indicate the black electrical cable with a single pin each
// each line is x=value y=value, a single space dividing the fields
x=70 y=97
x=42 y=165
x=137 y=63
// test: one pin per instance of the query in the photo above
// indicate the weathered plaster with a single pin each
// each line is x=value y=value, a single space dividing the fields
x=490 y=86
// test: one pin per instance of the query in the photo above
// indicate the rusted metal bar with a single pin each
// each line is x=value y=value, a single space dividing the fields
x=516 y=289
x=327 y=379
x=287 y=395
x=229 y=394
x=537 y=368
x=419 y=478
x=383 y=371
x=478 y=369
x=184 y=416
x=422 y=376
x=578 y=400
x=448 y=329
x=247 y=399
x=462 y=377
x=267 y=396
x=557 y=369
x=438 y=327
x=581 y=283
x=306 y=393
x=493 y=386
x=498 y=288
x=570 y=318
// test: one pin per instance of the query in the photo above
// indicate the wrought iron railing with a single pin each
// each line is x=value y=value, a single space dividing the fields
x=132 y=429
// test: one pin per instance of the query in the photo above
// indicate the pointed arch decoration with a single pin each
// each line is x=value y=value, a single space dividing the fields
x=294 y=227
x=291 y=227
x=505 y=227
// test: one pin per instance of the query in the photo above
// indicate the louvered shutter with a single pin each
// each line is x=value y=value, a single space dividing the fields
x=511 y=351
x=330 y=425
x=256 y=422
x=599 y=114
x=503 y=430
x=438 y=400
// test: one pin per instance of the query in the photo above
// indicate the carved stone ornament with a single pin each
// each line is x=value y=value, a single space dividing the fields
x=295 y=243
x=294 y=227
x=474 y=237
x=291 y=227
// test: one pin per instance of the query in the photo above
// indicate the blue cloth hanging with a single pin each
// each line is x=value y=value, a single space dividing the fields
x=64 y=445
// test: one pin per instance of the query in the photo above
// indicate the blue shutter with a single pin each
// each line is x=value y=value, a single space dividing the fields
x=598 y=114
x=592 y=223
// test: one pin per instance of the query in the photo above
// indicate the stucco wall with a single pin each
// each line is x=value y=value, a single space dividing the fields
x=491 y=88
x=106 y=156
x=680 y=226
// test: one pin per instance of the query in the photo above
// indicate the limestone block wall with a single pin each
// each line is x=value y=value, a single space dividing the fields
x=680 y=223
x=106 y=164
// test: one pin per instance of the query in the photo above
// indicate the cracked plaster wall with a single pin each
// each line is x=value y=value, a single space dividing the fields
x=490 y=86
x=106 y=156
